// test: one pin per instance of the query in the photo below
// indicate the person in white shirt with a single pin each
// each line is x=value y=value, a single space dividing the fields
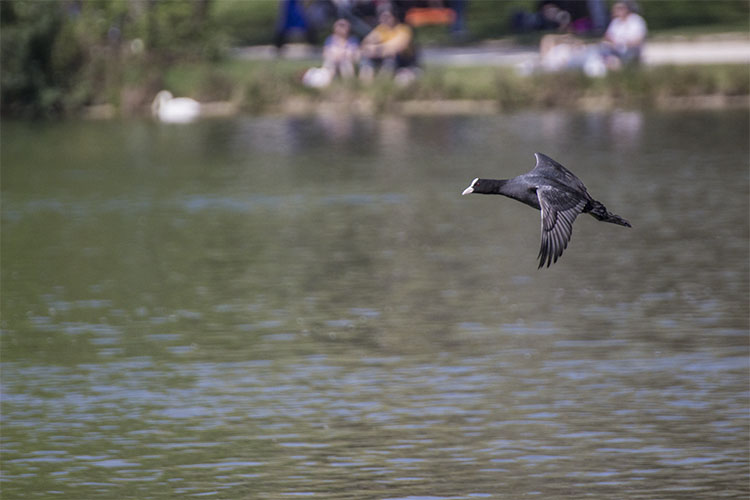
x=625 y=35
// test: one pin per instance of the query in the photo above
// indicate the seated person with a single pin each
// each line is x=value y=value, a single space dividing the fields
x=624 y=37
x=388 y=46
x=340 y=51
x=559 y=52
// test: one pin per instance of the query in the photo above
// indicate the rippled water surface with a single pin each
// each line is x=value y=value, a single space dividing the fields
x=306 y=307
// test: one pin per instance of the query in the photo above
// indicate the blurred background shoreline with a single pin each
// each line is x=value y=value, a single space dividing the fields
x=106 y=60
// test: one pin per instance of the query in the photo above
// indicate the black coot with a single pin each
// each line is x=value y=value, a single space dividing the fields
x=559 y=194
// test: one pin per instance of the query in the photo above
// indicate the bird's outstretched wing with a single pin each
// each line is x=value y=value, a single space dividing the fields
x=559 y=209
x=548 y=167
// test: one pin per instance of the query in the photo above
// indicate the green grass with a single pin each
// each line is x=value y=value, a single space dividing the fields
x=265 y=86
x=246 y=22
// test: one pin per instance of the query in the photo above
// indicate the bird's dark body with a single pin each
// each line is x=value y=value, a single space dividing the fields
x=560 y=196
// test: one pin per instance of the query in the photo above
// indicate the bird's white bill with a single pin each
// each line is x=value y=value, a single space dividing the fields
x=470 y=189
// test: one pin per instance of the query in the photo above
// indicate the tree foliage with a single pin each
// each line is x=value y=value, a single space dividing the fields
x=58 y=56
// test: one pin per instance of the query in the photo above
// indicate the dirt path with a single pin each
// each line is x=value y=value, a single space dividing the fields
x=730 y=49
x=706 y=51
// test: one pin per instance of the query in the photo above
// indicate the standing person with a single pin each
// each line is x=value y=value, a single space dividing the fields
x=341 y=51
x=292 y=17
x=624 y=38
x=388 y=46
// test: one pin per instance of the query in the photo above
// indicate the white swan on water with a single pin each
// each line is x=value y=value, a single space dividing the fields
x=170 y=109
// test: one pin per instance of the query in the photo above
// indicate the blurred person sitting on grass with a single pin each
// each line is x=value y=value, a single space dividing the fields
x=621 y=46
x=341 y=51
x=388 y=47
x=340 y=54
x=624 y=38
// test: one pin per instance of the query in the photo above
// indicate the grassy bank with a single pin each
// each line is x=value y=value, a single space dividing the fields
x=263 y=87
x=64 y=58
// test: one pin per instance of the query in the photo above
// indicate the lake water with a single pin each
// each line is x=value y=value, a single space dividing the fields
x=283 y=307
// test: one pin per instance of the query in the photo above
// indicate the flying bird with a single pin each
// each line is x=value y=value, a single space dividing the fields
x=560 y=196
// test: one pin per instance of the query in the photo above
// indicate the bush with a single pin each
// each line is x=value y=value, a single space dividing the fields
x=58 y=57
x=32 y=82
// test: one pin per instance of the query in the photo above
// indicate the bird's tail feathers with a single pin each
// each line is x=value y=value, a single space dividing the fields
x=600 y=212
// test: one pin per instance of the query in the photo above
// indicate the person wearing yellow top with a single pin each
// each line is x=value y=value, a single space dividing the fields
x=388 y=47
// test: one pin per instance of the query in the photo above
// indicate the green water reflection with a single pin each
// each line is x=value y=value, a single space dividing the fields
x=272 y=307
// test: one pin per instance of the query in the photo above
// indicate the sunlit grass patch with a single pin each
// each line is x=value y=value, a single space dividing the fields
x=262 y=86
